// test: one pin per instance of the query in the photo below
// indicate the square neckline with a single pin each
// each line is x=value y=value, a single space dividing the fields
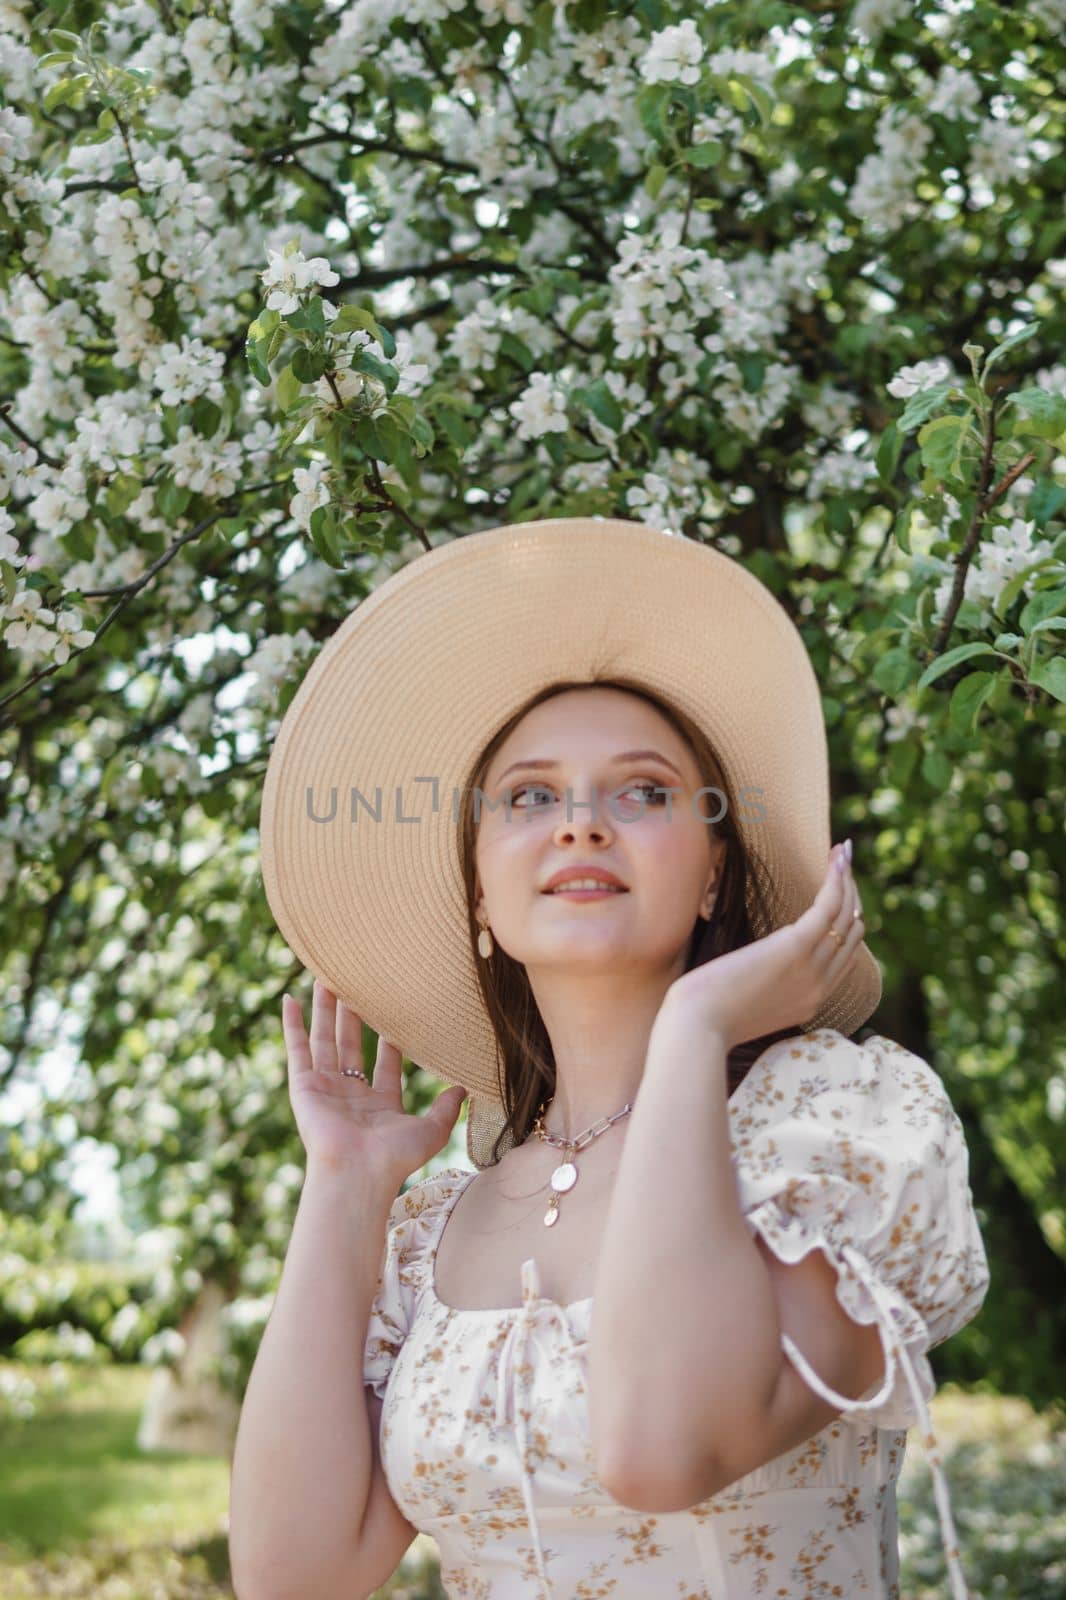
x=430 y=1275
x=445 y=1211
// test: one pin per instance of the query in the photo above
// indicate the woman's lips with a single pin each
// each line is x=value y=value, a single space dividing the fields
x=585 y=894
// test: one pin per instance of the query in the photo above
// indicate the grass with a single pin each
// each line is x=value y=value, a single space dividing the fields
x=86 y=1515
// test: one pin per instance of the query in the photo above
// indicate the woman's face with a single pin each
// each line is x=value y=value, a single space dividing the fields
x=659 y=845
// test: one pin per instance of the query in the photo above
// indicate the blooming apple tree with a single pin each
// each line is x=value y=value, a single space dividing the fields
x=293 y=290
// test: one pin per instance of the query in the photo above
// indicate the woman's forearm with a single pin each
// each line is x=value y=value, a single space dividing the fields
x=686 y=1337
x=303 y=1456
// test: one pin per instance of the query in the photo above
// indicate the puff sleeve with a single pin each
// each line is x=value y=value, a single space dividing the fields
x=412 y=1218
x=856 y=1149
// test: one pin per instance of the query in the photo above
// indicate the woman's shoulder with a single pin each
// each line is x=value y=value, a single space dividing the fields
x=419 y=1201
x=825 y=1075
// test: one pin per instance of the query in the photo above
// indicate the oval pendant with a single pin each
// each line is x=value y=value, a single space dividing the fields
x=550 y=1216
x=564 y=1177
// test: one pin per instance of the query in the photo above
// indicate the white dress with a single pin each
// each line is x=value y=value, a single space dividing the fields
x=484 y=1429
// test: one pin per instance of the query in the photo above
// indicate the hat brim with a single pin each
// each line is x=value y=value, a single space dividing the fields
x=368 y=893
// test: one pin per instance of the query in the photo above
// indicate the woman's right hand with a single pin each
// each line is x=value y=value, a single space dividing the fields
x=344 y=1121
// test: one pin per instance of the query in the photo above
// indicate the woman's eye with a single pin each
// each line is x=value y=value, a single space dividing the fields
x=653 y=791
x=528 y=788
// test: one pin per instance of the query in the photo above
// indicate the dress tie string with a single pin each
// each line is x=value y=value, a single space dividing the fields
x=515 y=1387
x=888 y=1313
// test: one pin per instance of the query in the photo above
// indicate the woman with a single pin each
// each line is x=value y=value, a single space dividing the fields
x=668 y=1335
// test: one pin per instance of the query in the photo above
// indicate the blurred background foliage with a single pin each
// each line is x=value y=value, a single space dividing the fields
x=292 y=292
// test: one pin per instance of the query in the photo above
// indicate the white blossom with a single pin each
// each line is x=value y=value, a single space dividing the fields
x=870 y=18
x=70 y=635
x=183 y=371
x=674 y=54
x=902 y=720
x=276 y=658
x=312 y=491
x=921 y=375
x=288 y=276
x=1011 y=548
x=540 y=409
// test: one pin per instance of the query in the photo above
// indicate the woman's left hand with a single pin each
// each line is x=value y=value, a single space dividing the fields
x=779 y=981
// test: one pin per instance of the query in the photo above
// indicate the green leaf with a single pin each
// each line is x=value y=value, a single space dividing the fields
x=214 y=802
x=888 y=449
x=757 y=94
x=309 y=365
x=256 y=365
x=832 y=710
x=967 y=698
x=288 y=390
x=63 y=92
x=598 y=398
x=1010 y=591
x=171 y=499
x=1009 y=344
x=206 y=417
x=892 y=672
x=422 y=433
x=941 y=444
x=654 y=180
x=651 y=107
x=263 y=326
x=902 y=529
x=838 y=516
x=1050 y=625
x=379 y=437
x=350 y=317
x=1045 y=603
x=1044 y=413
x=80 y=540
x=590 y=300
x=367 y=361
x=91 y=136
x=123 y=488
x=310 y=318
x=936 y=769
x=1050 y=675
x=1046 y=500
x=706 y=154
x=922 y=405
x=460 y=433
x=944 y=663
x=323 y=531
x=901 y=758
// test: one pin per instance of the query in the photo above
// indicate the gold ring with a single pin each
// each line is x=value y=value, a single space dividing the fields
x=839 y=937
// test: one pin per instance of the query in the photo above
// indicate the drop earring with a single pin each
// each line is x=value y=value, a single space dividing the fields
x=484 y=941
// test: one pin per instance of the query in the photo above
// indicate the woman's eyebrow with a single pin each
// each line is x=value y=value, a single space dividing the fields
x=627 y=755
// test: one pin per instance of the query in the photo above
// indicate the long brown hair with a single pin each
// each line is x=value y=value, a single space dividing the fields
x=525 y=1065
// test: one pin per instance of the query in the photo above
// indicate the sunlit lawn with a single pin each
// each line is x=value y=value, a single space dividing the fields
x=86 y=1515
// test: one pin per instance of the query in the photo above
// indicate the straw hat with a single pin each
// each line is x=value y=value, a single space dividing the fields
x=366 y=887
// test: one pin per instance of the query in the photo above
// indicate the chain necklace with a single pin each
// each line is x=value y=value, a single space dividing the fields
x=566 y=1174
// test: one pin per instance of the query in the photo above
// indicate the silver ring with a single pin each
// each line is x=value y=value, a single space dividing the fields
x=856 y=914
x=354 y=1072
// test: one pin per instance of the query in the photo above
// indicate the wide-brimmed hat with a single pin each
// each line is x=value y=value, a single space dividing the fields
x=358 y=820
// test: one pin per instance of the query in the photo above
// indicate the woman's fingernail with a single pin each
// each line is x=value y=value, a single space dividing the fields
x=847 y=849
x=841 y=862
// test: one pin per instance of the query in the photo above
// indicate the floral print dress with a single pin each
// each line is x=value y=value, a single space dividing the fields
x=485 y=1437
